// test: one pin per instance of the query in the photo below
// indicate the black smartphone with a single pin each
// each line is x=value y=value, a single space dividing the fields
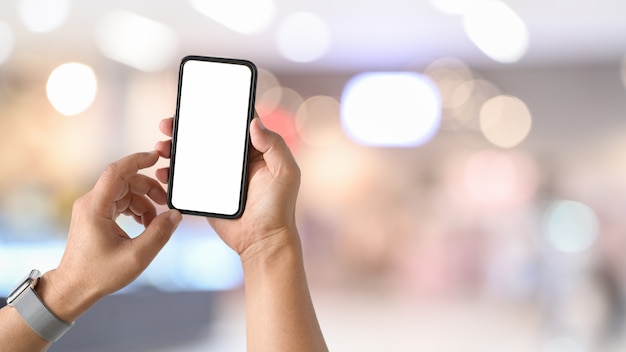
x=210 y=138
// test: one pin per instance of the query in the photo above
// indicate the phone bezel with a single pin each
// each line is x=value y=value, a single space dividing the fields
x=250 y=115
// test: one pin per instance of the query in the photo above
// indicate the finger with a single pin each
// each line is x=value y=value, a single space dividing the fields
x=163 y=174
x=164 y=148
x=275 y=152
x=156 y=235
x=166 y=126
x=143 y=185
x=142 y=210
x=137 y=206
x=112 y=185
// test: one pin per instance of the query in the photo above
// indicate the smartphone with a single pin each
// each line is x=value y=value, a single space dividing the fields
x=210 y=136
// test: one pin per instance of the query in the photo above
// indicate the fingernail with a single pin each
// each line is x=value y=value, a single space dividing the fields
x=175 y=216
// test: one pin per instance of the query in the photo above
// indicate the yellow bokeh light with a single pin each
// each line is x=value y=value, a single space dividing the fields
x=505 y=121
x=71 y=88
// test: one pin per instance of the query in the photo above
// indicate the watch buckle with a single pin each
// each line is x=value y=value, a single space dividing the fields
x=30 y=280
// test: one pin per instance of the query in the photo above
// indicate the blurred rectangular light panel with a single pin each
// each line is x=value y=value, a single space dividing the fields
x=391 y=109
x=136 y=41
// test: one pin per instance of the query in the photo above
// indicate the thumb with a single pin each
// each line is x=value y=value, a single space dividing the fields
x=156 y=235
x=276 y=153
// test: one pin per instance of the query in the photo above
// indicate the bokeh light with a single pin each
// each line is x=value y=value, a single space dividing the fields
x=282 y=122
x=505 y=121
x=317 y=121
x=490 y=177
x=303 y=37
x=43 y=15
x=391 y=109
x=570 y=226
x=6 y=42
x=71 y=88
x=136 y=41
x=491 y=180
x=453 y=7
x=463 y=93
x=496 y=30
x=281 y=118
x=242 y=16
x=450 y=74
x=268 y=92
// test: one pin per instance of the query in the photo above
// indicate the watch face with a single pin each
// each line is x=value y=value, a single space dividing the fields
x=27 y=281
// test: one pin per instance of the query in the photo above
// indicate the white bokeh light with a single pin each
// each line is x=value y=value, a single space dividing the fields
x=570 y=226
x=394 y=109
x=453 y=7
x=136 y=41
x=71 y=88
x=43 y=15
x=496 y=30
x=242 y=16
x=505 y=121
x=6 y=42
x=303 y=37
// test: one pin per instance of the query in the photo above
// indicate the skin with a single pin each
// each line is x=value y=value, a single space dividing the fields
x=279 y=312
x=100 y=258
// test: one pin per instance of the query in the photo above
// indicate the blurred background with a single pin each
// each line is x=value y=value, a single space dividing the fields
x=463 y=164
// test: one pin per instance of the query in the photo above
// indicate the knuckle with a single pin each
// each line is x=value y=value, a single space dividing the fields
x=111 y=169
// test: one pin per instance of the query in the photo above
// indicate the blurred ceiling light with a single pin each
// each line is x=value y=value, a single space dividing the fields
x=71 y=88
x=391 y=109
x=136 y=41
x=317 y=121
x=242 y=16
x=6 y=42
x=570 y=226
x=43 y=15
x=453 y=7
x=505 y=121
x=496 y=30
x=303 y=37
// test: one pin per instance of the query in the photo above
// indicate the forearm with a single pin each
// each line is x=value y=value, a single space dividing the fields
x=67 y=304
x=16 y=336
x=279 y=311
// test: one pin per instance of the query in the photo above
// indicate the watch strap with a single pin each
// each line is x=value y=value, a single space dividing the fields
x=39 y=317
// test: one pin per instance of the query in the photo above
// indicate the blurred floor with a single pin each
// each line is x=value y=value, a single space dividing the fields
x=369 y=322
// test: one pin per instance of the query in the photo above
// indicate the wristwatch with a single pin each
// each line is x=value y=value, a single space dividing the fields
x=32 y=309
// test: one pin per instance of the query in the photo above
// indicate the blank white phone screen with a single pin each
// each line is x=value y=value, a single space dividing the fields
x=212 y=124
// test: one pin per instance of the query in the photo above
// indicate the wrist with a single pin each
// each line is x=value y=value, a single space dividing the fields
x=284 y=244
x=66 y=300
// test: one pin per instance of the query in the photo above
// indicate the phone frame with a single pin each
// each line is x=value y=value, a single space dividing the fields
x=245 y=159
